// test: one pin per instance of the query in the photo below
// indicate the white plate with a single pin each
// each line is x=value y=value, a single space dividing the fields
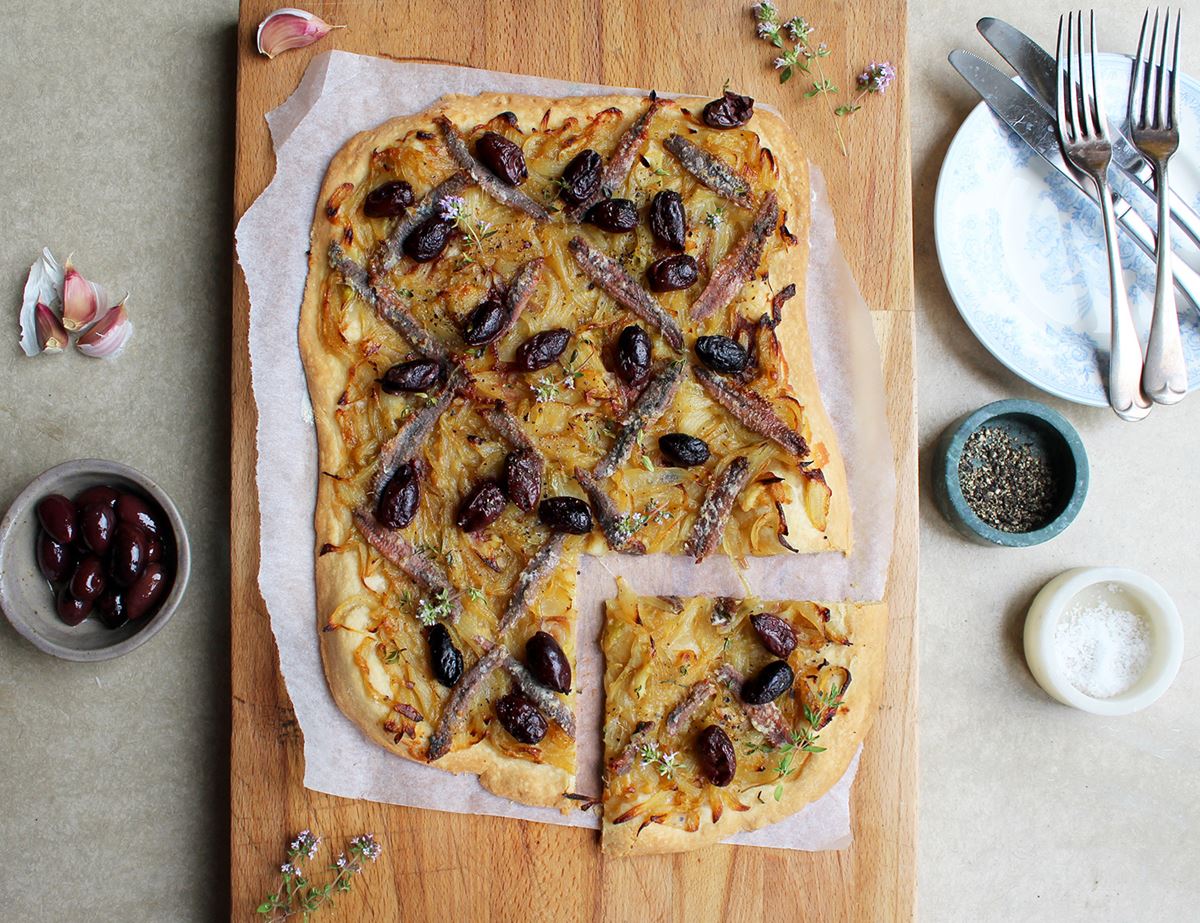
x=1022 y=250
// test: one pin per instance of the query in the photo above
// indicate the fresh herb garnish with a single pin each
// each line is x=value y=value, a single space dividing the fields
x=296 y=896
x=804 y=741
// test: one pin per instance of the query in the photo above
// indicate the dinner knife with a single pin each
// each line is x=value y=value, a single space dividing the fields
x=1036 y=67
x=1031 y=123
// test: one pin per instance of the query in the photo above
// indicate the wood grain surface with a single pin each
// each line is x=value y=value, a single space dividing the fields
x=440 y=866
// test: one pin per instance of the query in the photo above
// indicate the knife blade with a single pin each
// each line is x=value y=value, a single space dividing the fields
x=1030 y=122
x=1037 y=68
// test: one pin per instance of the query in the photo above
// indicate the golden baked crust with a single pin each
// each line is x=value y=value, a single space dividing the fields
x=373 y=649
x=661 y=650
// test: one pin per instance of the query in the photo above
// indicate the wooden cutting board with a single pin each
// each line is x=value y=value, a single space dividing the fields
x=440 y=866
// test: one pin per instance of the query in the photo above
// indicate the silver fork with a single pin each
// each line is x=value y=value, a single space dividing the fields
x=1155 y=133
x=1084 y=136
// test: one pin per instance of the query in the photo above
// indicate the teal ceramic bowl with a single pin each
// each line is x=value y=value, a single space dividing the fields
x=1048 y=434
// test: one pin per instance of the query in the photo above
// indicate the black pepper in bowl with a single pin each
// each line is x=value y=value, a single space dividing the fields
x=1008 y=484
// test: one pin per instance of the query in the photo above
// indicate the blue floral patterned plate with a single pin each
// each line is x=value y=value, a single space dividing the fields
x=1022 y=250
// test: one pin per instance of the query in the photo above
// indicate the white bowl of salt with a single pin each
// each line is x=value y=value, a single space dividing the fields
x=1107 y=640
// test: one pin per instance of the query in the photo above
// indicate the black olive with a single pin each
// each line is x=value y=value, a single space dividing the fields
x=112 y=609
x=485 y=322
x=566 y=514
x=541 y=349
x=482 y=507
x=389 y=200
x=414 y=375
x=684 y=450
x=722 y=354
x=730 y=111
x=55 y=561
x=445 y=659
x=581 y=179
x=547 y=662
x=668 y=220
x=672 y=273
x=58 y=517
x=523 y=479
x=714 y=753
x=768 y=684
x=428 y=239
x=615 y=215
x=776 y=635
x=521 y=718
x=400 y=497
x=502 y=157
x=633 y=356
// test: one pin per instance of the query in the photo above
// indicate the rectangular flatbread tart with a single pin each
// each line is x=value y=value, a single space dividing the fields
x=534 y=329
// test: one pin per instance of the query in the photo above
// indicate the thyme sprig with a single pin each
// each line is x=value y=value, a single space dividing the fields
x=430 y=611
x=296 y=896
x=804 y=741
x=665 y=763
x=454 y=208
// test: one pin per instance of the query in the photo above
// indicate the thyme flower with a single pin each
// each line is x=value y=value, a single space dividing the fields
x=429 y=611
x=665 y=763
x=545 y=389
x=454 y=209
x=715 y=218
x=295 y=896
x=877 y=77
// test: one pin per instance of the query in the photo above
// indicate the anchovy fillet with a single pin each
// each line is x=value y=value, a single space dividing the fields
x=623 y=761
x=520 y=290
x=651 y=404
x=533 y=580
x=392 y=247
x=554 y=707
x=740 y=263
x=696 y=698
x=622 y=288
x=752 y=410
x=488 y=181
x=767 y=719
x=715 y=510
x=355 y=275
x=510 y=430
x=710 y=170
x=390 y=307
x=616 y=528
x=413 y=433
x=621 y=161
x=397 y=549
x=454 y=714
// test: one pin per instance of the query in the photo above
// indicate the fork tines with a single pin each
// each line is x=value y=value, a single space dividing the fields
x=1080 y=113
x=1150 y=111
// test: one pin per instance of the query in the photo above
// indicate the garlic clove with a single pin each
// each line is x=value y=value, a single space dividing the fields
x=108 y=336
x=81 y=299
x=290 y=28
x=44 y=286
x=51 y=334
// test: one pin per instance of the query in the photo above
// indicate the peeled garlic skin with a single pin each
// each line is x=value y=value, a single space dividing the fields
x=51 y=335
x=108 y=336
x=80 y=300
x=289 y=28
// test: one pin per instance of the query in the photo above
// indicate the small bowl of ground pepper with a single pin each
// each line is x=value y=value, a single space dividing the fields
x=1013 y=473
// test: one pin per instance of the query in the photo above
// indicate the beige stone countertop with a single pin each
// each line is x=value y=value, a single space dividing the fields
x=117 y=146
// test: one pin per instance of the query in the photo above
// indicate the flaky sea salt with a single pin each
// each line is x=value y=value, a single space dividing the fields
x=1103 y=651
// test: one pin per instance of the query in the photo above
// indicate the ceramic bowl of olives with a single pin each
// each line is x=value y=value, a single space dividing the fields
x=94 y=560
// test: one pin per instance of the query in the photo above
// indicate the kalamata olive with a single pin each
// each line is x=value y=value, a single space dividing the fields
x=154 y=549
x=445 y=659
x=101 y=493
x=668 y=220
x=428 y=239
x=388 y=200
x=776 y=635
x=400 y=497
x=673 y=273
x=136 y=511
x=145 y=592
x=58 y=517
x=485 y=322
x=88 y=580
x=413 y=375
x=521 y=718
x=722 y=354
x=634 y=352
x=111 y=608
x=483 y=506
x=71 y=610
x=730 y=111
x=502 y=157
x=54 y=560
x=683 y=450
x=616 y=215
x=566 y=514
x=96 y=524
x=714 y=753
x=768 y=684
x=581 y=179
x=541 y=349
x=128 y=555
x=547 y=662
x=523 y=479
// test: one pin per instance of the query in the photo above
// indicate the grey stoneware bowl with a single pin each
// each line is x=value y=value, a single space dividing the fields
x=1048 y=434
x=26 y=597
